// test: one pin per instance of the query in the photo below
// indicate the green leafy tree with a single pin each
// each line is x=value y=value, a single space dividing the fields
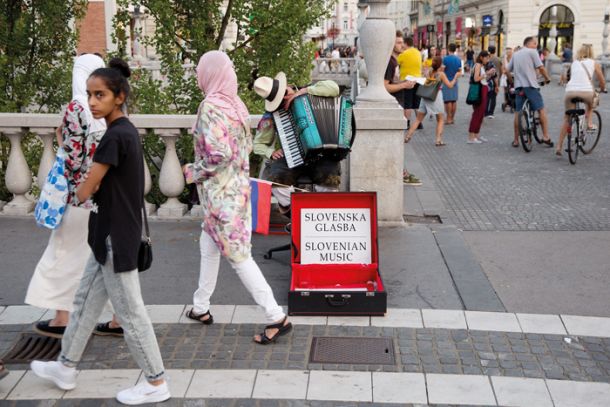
x=37 y=44
x=269 y=40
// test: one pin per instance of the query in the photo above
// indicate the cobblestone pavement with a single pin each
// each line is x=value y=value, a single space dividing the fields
x=230 y=346
x=493 y=186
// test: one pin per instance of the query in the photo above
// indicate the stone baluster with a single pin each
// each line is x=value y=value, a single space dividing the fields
x=48 y=155
x=376 y=160
x=18 y=176
x=150 y=207
x=171 y=179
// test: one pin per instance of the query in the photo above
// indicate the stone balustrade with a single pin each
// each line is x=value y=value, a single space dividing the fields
x=19 y=177
x=338 y=70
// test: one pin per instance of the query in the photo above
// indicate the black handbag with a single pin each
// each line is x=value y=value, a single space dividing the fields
x=145 y=255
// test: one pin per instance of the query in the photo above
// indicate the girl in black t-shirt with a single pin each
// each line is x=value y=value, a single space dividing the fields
x=117 y=180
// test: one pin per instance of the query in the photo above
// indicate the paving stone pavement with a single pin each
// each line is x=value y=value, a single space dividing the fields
x=493 y=186
x=230 y=346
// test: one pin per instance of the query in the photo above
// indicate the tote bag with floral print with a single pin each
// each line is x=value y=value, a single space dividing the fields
x=54 y=195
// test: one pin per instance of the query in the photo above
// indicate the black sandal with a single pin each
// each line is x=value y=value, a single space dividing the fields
x=190 y=314
x=515 y=144
x=282 y=330
x=104 y=329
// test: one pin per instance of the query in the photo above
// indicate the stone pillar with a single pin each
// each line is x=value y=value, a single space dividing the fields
x=150 y=208
x=48 y=155
x=552 y=61
x=604 y=59
x=18 y=176
x=376 y=160
x=171 y=179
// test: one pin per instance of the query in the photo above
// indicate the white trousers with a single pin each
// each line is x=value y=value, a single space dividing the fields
x=61 y=266
x=248 y=272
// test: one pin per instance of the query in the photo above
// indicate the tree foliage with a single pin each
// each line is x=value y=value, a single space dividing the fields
x=269 y=40
x=37 y=44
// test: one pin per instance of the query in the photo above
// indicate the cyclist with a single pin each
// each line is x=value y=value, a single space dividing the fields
x=580 y=86
x=523 y=67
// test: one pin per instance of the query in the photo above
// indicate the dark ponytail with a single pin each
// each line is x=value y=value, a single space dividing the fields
x=115 y=76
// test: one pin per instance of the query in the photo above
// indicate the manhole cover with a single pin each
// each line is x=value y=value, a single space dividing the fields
x=356 y=351
x=33 y=347
x=427 y=219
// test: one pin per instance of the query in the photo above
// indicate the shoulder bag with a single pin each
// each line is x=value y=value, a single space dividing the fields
x=145 y=256
x=51 y=204
x=595 y=92
x=429 y=90
x=474 y=91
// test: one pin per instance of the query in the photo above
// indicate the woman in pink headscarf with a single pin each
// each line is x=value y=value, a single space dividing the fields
x=221 y=172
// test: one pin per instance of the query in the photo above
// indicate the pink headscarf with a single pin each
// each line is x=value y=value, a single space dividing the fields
x=217 y=79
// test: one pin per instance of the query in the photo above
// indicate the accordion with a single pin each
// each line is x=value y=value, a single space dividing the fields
x=315 y=127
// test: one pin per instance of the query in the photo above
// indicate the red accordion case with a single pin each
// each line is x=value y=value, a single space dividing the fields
x=335 y=255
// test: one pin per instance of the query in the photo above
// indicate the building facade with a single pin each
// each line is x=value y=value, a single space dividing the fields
x=480 y=23
x=340 y=29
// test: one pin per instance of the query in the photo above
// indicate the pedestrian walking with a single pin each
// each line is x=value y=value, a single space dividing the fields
x=115 y=232
x=436 y=106
x=479 y=75
x=494 y=81
x=581 y=86
x=453 y=65
x=469 y=58
x=61 y=266
x=221 y=171
x=410 y=63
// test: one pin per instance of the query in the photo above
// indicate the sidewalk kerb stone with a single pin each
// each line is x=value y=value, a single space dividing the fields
x=389 y=387
x=570 y=393
x=305 y=320
x=516 y=391
x=222 y=383
x=248 y=314
x=281 y=384
x=399 y=318
x=2 y=308
x=9 y=382
x=349 y=321
x=492 y=321
x=21 y=314
x=102 y=383
x=541 y=324
x=340 y=386
x=32 y=387
x=165 y=314
x=585 y=326
x=444 y=319
x=458 y=389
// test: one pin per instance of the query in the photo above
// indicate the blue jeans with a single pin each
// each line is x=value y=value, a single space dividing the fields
x=100 y=282
x=533 y=95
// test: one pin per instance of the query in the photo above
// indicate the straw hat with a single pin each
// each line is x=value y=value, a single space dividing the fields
x=272 y=90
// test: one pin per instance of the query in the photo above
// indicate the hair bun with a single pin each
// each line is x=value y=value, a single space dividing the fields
x=121 y=66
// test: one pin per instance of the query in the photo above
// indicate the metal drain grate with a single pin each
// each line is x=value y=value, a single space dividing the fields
x=356 y=351
x=426 y=219
x=32 y=346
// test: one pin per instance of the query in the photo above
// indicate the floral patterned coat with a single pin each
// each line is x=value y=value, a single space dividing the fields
x=79 y=146
x=221 y=171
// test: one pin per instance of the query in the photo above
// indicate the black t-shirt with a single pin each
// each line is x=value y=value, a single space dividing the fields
x=119 y=198
x=469 y=55
x=392 y=74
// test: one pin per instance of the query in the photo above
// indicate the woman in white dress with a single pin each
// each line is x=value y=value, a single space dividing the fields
x=59 y=271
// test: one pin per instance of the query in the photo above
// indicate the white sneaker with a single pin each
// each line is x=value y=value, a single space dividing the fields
x=483 y=139
x=144 y=392
x=491 y=116
x=63 y=376
x=474 y=141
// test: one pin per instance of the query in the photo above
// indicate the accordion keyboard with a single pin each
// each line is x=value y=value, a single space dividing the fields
x=289 y=139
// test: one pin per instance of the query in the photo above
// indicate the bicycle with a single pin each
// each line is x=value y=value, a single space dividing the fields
x=581 y=137
x=528 y=123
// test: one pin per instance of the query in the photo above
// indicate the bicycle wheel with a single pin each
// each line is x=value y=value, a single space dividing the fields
x=525 y=133
x=573 y=140
x=591 y=137
x=535 y=125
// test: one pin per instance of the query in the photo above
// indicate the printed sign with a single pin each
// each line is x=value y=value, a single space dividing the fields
x=488 y=20
x=336 y=236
